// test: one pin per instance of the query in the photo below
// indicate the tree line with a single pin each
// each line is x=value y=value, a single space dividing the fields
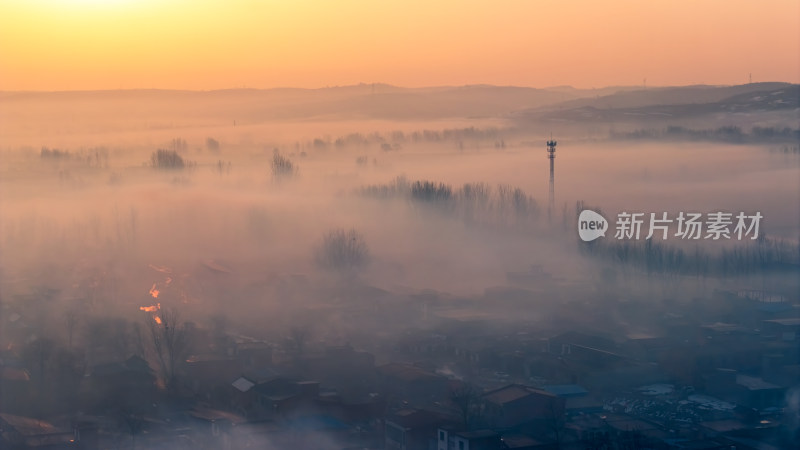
x=474 y=203
x=764 y=255
x=733 y=134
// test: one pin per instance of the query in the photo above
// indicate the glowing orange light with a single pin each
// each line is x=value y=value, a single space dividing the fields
x=153 y=308
x=161 y=269
x=153 y=291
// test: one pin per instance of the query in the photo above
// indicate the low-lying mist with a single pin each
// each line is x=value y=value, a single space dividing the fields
x=98 y=218
x=271 y=234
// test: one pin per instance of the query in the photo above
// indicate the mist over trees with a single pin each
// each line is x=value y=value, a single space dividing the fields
x=167 y=159
x=764 y=255
x=282 y=167
x=473 y=203
x=728 y=133
x=212 y=144
x=342 y=251
x=178 y=145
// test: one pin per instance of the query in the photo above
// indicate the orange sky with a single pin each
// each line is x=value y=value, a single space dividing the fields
x=203 y=44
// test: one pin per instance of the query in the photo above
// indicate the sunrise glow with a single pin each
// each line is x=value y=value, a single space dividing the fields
x=202 y=44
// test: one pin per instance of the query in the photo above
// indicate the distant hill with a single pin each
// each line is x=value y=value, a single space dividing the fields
x=359 y=101
x=593 y=92
x=467 y=101
x=671 y=103
x=382 y=101
x=629 y=98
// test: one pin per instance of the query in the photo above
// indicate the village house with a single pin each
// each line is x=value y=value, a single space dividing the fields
x=414 y=429
x=515 y=405
x=469 y=440
x=18 y=432
x=126 y=384
x=410 y=383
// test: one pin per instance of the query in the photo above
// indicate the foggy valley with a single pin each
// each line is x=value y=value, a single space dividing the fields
x=372 y=266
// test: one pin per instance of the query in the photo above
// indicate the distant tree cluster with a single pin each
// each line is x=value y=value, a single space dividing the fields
x=54 y=153
x=320 y=144
x=223 y=167
x=282 y=167
x=167 y=159
x=763 y=255
x=343 y=251
x=212 y=144
x=91 y=157
x=178 y=145
x=429 y=191
x=394 y=140
x=733 y=134
x=794 y=150
x=355 y=139
x=475 y=203
x=364 y=161
x=396 y=188
x=455 y=134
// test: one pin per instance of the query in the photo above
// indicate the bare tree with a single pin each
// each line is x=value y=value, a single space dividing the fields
x=469 y=402
x=300 y=338
x=134 y=422
x=138 y=341
x=556 y=420
x=169 y=343
x=38 y=353
x=70 y=320
x=68 y=368
x=219 y=330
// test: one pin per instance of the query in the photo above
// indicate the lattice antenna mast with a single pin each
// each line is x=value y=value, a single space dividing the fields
x=551 y=155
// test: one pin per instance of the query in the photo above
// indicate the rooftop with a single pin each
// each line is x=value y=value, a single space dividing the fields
x=209 y=358
x=14 y=374
x=565 y=390
x=754 y=383
x=791 y=322
x=215 y=414
x=513 y=441
x=416 y=418
x=479 y=434
x=28 y=426
x=317 y=423
x=407 y=372
x=512 y=393
x=628 y=423
x=724 y=426
x=243 y=384
x=720 y=327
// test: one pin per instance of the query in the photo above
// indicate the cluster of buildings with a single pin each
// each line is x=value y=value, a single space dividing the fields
x=717 y=373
